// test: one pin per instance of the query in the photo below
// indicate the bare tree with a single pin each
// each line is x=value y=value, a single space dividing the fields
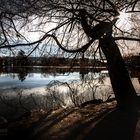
x=79 y=26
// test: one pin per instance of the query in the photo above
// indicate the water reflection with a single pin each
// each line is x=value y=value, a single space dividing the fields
x=47 y=71
x=27 y=89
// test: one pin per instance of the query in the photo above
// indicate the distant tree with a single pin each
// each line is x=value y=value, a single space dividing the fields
x=21 y=53
x=79 y=25
x=21 y=59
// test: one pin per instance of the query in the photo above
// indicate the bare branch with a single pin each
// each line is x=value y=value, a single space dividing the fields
x=127 y=38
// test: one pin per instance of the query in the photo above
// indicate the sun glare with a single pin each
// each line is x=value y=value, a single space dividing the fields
x=123 y=21
x=123 y=15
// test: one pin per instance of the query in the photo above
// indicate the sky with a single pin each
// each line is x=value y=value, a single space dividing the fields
x=123 y=23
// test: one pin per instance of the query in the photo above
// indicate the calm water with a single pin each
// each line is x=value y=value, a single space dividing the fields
x=23 y=91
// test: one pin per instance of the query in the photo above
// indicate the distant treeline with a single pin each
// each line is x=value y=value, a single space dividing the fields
x=48 y=61
x=133 y=61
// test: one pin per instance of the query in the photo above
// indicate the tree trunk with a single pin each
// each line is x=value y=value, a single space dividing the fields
x=121 y=82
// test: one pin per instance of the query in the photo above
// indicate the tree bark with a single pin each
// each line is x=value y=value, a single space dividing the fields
x=119 y=76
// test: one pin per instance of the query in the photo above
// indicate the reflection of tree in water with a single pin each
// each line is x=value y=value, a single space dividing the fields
x=22 y=73
x=82 y=73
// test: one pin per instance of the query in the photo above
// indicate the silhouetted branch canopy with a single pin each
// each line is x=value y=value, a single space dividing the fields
x=65 y=23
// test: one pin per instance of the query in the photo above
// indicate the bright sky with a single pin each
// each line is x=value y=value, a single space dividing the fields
x=125 y=24
x=33 y=34
x=34 y=31
x=124 y=21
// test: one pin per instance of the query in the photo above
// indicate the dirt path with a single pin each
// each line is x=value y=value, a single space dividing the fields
x=96 y=122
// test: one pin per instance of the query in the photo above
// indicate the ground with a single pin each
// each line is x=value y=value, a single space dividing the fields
x=98 y=122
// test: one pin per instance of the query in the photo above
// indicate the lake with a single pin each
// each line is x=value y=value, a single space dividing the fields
x=49 y=88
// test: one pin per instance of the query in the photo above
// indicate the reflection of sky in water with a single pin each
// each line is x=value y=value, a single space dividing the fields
x=34 y=80
x=37 y=81
x=35 y=85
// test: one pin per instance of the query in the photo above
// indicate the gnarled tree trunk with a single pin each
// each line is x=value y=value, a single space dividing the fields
x=121 y=82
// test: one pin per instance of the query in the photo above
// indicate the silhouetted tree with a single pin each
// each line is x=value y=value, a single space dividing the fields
x=78 y=26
